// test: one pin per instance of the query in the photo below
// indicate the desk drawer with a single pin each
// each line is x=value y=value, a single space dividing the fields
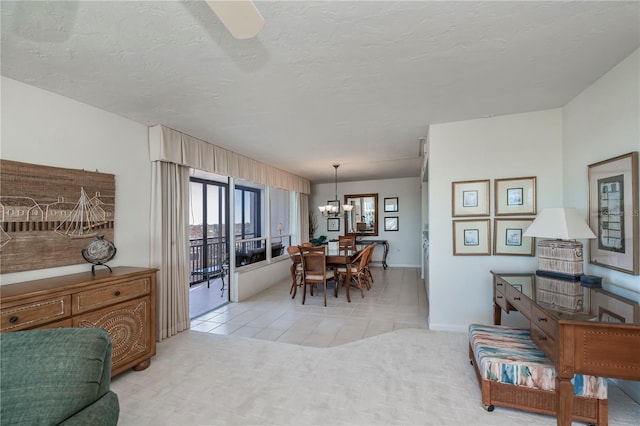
x=544 y=321
x=110 y=294
x=31 y=315
x=499 y=295
x=518 y=300
x=501 y=301
x=545 y=342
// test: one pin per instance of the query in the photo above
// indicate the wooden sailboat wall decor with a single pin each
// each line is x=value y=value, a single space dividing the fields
x=49 y=214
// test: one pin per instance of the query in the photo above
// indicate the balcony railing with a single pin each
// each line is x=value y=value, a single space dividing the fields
x=216 y=255
x=247 y=252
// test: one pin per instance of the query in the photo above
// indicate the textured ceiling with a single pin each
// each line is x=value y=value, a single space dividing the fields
x=349 y=82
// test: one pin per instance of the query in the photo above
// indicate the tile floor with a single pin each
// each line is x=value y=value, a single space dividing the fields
x=396 y=300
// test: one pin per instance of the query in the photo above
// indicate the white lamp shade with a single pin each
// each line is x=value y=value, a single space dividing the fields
x=563 y=223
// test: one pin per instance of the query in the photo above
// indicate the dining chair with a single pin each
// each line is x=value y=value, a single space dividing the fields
x=358 y=273
x=296 y=269
x=346 y=242
x=314 y=270
x=369 y=277
x=307 y=244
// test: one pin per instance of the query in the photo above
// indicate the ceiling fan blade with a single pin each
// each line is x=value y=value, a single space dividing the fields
x=240 y=17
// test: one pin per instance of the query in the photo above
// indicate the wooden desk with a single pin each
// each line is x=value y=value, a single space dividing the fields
x=571 y=335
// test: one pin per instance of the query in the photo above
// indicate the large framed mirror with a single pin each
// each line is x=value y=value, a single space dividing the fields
x=362 y=220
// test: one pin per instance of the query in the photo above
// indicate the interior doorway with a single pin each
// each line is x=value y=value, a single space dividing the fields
x=208 y=243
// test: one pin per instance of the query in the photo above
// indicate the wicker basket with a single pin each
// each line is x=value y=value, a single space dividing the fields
x=560 y=256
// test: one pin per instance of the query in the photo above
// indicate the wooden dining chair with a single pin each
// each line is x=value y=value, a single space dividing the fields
x=358 y=272
x=369 y=277
x=296 y=269
x=347 y=242
x=314 y=270
x=307 y=244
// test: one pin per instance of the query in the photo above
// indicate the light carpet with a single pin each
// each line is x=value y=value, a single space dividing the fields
x=404 y=377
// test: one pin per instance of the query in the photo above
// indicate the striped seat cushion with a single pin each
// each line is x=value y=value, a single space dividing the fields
x=507 y=355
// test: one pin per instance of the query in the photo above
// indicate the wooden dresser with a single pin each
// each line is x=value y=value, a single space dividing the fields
x=122 y=302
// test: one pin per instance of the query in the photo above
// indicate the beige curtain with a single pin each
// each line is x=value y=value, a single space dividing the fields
x=303 y=217
x=169 y=246
x=166 y=144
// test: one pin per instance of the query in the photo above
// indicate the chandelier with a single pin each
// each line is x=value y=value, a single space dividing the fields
x=333 y=208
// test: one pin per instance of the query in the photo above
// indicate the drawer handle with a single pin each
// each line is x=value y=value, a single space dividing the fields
x=516 y=298
x=542 y=338
x=542 y=319
x=13 y=320
x=498 y=297
x=117 y=292
x=499 y=284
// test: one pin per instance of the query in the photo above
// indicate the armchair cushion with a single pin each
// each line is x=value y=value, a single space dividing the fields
x=52 y=375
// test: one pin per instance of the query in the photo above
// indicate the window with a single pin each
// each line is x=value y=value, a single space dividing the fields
x=250 y=246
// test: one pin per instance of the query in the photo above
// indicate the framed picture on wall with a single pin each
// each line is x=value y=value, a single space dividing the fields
x=515 y=196
x=391 y=223
x=508 y=237
x=470 y=198
x=335 y=205
x=391 y=204
x=333 y=224
x=471 y=237
x=613 y=197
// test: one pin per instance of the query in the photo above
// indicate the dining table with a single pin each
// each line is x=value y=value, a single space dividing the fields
x=334 y=257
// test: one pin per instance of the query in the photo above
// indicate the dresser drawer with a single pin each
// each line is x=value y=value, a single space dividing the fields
x=544 y=321
x=33 y=314
x=110 y=294
x=545 y=342
x=125 y=324
x=518 y=300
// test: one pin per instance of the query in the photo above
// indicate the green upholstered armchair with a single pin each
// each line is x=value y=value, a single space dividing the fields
x=57 y=376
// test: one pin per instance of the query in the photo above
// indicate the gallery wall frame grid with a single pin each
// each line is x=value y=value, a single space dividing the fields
x=472 y=237
x=470 y=198
x=515 y=196
x=613 y=213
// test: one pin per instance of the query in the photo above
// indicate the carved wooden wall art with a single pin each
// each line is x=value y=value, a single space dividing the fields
x=49 y=214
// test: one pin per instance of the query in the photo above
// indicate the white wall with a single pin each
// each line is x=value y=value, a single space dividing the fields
x=600 y=123
x=40 y=127
x=251 y=281
x=520 y=145
x=405 y=245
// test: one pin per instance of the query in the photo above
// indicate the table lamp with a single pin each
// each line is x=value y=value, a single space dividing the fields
x=561 y=257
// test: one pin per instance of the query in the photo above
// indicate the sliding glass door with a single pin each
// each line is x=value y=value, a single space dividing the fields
x=208 y=245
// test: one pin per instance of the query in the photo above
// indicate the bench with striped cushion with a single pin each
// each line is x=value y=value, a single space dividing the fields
x=507 y=355
x=513 y=372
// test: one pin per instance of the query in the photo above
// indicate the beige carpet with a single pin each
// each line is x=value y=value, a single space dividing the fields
x=405 y=377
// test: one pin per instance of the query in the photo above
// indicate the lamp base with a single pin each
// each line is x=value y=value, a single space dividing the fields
x=561 y=257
